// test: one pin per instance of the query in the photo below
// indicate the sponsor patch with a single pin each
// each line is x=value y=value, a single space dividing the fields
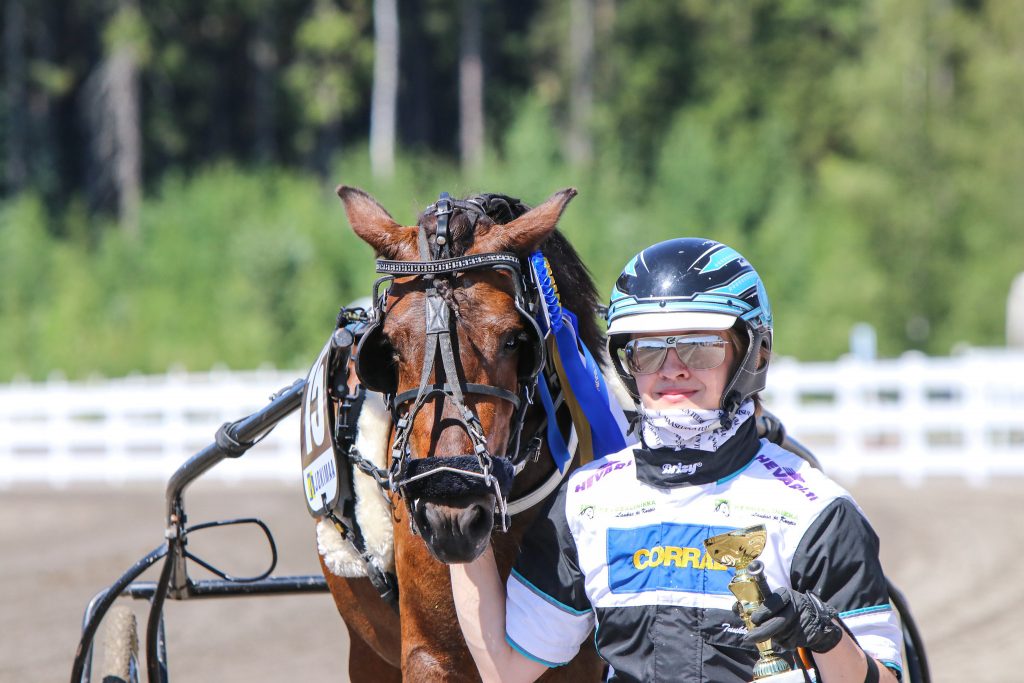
x=601 y=474
x=787 y=475
x=668 y=557
x=590 y=510
x=729 y=628
x=726 y=507
x=321 y=479
x=673 y=468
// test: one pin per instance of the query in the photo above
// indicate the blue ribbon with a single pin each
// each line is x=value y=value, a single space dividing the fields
x=582 y=373
x=587 y=382
x=556 y=444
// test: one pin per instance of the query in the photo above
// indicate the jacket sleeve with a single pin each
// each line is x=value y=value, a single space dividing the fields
x=547 y=613
x=837 y=559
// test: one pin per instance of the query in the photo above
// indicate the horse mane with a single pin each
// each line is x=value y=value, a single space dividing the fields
x=576 y=289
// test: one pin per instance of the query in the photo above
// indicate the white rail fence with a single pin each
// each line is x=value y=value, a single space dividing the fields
x=139 y=428
x=911 y=417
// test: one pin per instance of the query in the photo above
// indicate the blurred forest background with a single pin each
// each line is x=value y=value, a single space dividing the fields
x=166 y=196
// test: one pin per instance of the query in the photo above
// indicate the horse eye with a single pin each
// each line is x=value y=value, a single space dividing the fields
x=515 y=341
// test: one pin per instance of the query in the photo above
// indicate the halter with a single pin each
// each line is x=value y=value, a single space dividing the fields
x=495 y=472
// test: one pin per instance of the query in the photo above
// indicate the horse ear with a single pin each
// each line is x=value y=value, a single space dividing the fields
x=376 y=227
x=525 y=233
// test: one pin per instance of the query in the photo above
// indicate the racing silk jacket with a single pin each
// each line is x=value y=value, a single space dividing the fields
x=619 y=549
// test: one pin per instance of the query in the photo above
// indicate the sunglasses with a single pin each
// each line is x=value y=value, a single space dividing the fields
x=696 y=351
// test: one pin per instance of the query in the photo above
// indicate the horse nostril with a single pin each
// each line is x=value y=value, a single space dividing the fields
x=426 y=520
x=475 y=521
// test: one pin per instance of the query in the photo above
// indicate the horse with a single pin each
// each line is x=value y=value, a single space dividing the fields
x=454 y=347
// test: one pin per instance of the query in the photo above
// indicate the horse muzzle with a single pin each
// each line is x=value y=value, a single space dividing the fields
x=452 y=501
x=455 y=531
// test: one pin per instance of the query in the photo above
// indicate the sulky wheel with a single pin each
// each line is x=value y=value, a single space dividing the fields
x=116 y=649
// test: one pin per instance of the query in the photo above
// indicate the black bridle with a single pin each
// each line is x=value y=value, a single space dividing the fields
x=480 y=468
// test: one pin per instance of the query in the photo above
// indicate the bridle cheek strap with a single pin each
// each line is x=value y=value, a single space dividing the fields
x=436 y=261
x=439 y=332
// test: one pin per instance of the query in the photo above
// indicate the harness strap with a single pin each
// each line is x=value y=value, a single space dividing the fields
x=346 y=521
x=469 y=420
x=446 y=388
x=367 y=467
x=444 y=211
x=539 y=494
x=403 y=424
x=436 y=260
x=436 y=322
x=383 y=581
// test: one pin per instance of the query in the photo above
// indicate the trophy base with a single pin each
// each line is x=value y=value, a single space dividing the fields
x=795 y=676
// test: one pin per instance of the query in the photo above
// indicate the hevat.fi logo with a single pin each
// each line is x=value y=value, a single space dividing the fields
x=665 y=557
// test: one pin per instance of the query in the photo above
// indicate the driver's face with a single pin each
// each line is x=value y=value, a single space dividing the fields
x=675 y=385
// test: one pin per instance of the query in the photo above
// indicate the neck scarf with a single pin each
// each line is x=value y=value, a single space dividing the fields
x=666 y=468
x=690 y=428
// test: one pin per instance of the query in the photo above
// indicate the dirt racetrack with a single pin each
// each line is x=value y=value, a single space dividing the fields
x=946 y=545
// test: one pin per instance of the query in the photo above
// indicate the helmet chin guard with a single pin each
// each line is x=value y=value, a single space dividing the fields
x=693 y=284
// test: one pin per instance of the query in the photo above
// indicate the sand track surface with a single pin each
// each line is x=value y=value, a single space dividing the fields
x=946 y=545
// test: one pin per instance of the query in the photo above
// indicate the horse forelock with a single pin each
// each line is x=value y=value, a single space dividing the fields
x=461 y=230
x=575 y=285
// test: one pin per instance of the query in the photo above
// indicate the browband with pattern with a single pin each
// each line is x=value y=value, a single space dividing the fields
x=448 y=265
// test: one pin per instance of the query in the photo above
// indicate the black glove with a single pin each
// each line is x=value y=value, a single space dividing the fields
x=793 y=619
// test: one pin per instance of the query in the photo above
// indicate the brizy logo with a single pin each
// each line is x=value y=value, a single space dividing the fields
x=671 y=468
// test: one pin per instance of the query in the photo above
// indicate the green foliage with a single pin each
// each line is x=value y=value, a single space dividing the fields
x=233 y=267
x=332 y=58
x=866 y=155
x=127 y=29
x=27 y=267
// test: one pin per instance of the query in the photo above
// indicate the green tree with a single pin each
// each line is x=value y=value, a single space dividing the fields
x=332 y=63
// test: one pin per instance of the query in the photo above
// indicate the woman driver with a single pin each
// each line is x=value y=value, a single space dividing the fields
x=620 y=547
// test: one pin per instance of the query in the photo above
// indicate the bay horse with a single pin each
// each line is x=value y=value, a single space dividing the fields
x=455 y=348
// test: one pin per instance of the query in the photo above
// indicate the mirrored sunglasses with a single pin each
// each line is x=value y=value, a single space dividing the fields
x=696 y=351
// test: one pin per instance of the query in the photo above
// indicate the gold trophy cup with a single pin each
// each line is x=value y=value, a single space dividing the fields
x=740 y=549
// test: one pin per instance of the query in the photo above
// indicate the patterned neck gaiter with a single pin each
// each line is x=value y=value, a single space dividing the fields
x=680 y=428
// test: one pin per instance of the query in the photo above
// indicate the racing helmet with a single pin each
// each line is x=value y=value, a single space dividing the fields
x=693 y=284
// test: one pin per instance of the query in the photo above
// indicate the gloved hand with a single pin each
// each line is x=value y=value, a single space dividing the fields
x=793 y=619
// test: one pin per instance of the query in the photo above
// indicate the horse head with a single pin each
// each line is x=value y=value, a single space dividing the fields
x=456 y=349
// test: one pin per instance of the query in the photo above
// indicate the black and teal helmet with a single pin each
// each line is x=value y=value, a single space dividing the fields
x=693 y=284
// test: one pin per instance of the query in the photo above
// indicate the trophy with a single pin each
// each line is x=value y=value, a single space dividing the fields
x=740 y=549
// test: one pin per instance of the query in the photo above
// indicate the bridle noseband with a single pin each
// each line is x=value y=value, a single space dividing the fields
x=480 y=468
